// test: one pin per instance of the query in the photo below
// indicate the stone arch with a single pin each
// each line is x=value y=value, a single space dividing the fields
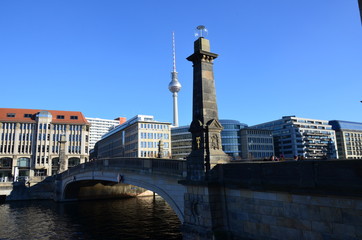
x=6 y=162
x=166 y=191
x=55 y=161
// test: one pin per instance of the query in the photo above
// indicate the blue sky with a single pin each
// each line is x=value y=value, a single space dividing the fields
x=113 y=58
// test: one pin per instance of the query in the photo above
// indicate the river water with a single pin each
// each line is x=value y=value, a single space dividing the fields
x=124 y=219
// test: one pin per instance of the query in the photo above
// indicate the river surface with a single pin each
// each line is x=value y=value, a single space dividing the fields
x=125 y=219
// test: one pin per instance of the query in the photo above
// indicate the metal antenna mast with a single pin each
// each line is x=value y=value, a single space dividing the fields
x=173 y=52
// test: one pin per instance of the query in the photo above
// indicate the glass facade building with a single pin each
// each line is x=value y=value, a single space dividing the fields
x=230 y=137
x=349 y=139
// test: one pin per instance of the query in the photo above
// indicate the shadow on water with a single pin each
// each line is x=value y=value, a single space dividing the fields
x=126 y=219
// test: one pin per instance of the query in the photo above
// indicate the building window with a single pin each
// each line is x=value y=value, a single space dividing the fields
x=27 y=115
x=24 y=162
x=10 y=115
x=60 y=116
x=74 y=117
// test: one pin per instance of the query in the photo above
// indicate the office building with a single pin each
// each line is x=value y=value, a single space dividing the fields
x=181 y=140
x=41 y=142
x=231 y=138
x=308 y=138
x=140 y=136
x=99 y=127
x=349 y=139
x=256 y=144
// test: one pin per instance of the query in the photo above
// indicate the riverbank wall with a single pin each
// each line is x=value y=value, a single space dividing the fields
x=44 y=190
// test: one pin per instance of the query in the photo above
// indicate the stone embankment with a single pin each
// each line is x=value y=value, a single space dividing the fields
x=43 y=189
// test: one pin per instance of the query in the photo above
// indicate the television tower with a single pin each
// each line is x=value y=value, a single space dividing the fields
x=174 y=86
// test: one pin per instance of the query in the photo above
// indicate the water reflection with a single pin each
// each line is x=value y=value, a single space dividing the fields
x=127 y=219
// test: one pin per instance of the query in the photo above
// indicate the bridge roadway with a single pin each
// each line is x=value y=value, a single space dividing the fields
x=158 y=175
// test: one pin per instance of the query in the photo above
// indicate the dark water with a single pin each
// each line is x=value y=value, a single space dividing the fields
x=126 y=219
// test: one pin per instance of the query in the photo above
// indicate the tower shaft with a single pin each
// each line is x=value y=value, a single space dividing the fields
x=175 y=109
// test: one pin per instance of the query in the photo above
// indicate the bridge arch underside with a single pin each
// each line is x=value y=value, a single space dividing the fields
x=73 y=189
x=166 y=187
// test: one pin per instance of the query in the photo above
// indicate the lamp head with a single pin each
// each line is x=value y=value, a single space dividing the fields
x=201 y=31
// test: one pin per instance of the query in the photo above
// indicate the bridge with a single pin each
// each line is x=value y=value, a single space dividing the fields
x=307 y=199
x=158 y=175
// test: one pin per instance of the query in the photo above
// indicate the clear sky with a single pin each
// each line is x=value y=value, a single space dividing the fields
x=112 y=58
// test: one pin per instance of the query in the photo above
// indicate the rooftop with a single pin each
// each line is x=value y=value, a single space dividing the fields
x=345 y=125
x=29 y=116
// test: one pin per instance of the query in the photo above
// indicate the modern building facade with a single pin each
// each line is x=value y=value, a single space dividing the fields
x=308 y=138
x=140 y=136
x=349 y=139
x=41 y=142
x=99 y=127
x=230 y=139
x=256 y=144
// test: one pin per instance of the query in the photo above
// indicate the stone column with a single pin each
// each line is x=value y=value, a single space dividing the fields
x=63 y=163
x=203 y=201
x=205 y=126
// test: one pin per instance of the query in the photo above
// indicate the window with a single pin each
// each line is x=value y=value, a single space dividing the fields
x=74 y=117
x=27 y=115
x=10 y=115
x=60 y=116
x=24 y=162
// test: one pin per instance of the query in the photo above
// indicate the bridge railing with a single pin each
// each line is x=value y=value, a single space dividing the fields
x=146 y=165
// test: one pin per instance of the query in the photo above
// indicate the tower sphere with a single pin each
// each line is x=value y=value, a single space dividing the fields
x=174 y=86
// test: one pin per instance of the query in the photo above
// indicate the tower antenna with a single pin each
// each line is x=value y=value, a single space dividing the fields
x=173 y=52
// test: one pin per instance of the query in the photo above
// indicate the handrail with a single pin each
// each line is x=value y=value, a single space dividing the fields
x=171 y=167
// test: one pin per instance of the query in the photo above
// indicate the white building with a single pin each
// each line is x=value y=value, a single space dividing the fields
x=139 y=137
x=308 y=138
x=99 y=127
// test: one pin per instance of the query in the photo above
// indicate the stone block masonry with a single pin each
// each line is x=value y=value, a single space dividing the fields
x=279 y=215
x=291 y=200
